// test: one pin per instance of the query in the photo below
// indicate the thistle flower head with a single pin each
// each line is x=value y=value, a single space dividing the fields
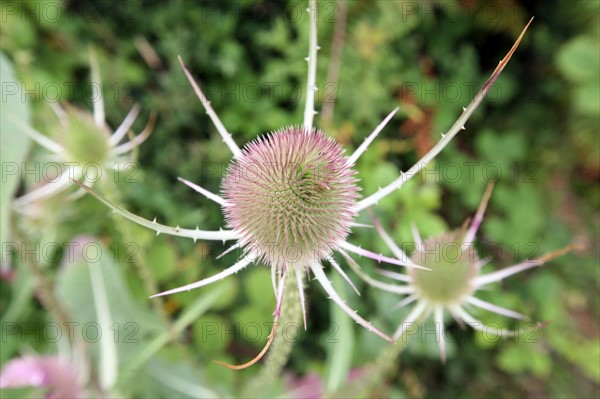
x=82 y=139
x=85 y=144
x=452 y=269
x=454 y=278
x=290 y=195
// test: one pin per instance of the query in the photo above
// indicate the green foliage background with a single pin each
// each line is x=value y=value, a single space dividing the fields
x=539 y=129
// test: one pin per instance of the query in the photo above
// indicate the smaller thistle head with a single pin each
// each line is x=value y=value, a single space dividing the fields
x=454 y=278
x=290 y=195
x=84 y=143
x=452 y=269
x=82 y=139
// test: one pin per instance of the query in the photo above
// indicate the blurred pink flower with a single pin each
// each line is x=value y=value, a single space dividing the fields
x=310 y=386
x=49 y=372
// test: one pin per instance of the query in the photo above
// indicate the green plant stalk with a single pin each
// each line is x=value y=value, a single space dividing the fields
x=377 y=372
x=375 y=376
x=193 y=312
x=291 y=314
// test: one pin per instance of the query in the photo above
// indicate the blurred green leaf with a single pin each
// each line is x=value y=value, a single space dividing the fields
x=161 y=260
x=129 y=324
x=14 y=144
x=579 y=59
x=339 y=354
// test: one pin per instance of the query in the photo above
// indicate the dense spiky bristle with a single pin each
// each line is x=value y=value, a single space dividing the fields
x=84 y=142
x=453 y=268
x=291 y=196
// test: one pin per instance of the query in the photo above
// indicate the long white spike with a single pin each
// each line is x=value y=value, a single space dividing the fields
x=420 y=309
x=338 y=268
x=219 y=200
x=478 y=325
x=470 y=236
x=406 y=301
x=485 y=279
x=122 y=130
x=317 y=270
x=496 y=309
x=235 y=246
x=38 y=137
x=137 y=140
x=301 y=292
x=416 y=235
x=60 y=113
x=311 y=86
x=211 y=113
x=395 y=275
x=197 y=234
x=396 y=289
x=279 y=297
x=362 y=225
x=482 y=262
x=219 y=276
x=456 y=127
x=98 y=100
x=48 y=189
x=438 y=318
x=379 y=258
x=398 y=253
x=519 y=267
x=274 y=280
x=365 y=144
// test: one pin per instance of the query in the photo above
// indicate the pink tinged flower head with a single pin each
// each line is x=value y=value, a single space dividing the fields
x=290 y=195
x=49 y=372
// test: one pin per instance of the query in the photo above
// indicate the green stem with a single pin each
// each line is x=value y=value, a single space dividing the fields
x=376 y=374
x=291 y=314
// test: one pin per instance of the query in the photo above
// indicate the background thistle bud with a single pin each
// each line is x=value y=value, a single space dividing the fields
x=454 y=278
x=452 y=268
x=83 y=140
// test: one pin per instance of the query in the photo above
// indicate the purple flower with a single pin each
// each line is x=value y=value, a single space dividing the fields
x=59 y=376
